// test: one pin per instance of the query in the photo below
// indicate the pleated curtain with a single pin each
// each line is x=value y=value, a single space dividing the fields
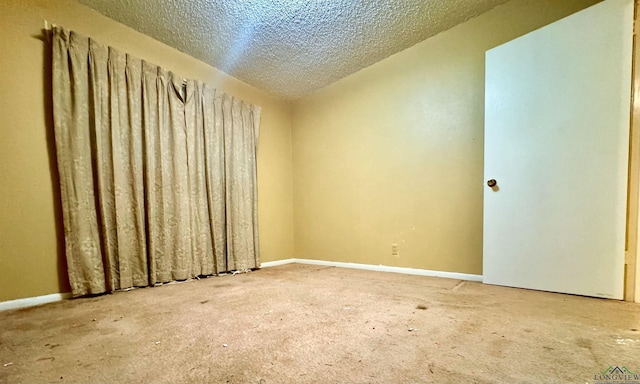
x=157 y=173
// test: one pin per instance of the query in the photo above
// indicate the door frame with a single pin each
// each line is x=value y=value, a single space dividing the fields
x=632 y=267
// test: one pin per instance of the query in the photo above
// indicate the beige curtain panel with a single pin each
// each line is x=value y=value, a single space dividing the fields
x=157 y=173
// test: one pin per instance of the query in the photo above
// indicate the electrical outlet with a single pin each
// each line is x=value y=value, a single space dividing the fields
x=394 y=249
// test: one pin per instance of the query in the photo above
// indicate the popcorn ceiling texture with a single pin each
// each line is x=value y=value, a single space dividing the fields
x=291 y=48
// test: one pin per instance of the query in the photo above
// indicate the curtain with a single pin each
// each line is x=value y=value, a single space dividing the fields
x=157 y=173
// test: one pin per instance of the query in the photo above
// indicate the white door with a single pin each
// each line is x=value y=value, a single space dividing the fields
x=557 y=108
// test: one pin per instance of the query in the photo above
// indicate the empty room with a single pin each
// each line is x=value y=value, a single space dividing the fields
x=319 y=191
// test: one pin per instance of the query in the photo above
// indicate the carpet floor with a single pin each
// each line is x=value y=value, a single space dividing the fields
x=312 y=324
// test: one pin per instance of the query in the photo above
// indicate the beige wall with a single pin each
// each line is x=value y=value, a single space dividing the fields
x=394 y=153
x=31 y=255
x=389 y=155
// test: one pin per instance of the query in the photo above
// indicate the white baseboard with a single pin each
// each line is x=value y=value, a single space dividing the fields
x=276 y=263
x=33 y=301
x=379 y=268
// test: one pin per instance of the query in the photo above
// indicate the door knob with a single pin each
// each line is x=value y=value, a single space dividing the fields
x=492 y=183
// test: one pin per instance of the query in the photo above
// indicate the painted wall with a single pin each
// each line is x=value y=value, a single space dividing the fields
x=389 y=155
x=393 y=154
x=31 y=244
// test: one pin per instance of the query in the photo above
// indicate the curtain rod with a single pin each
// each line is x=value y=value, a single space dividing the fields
x=48 y=26
x=47 y=31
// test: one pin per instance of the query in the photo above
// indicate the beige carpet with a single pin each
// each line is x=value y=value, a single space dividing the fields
x=309 y=324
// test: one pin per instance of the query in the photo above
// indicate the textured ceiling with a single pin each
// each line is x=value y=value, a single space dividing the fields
x=291 y=47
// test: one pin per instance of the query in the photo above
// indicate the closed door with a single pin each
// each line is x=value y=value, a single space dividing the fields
x=557 y=109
